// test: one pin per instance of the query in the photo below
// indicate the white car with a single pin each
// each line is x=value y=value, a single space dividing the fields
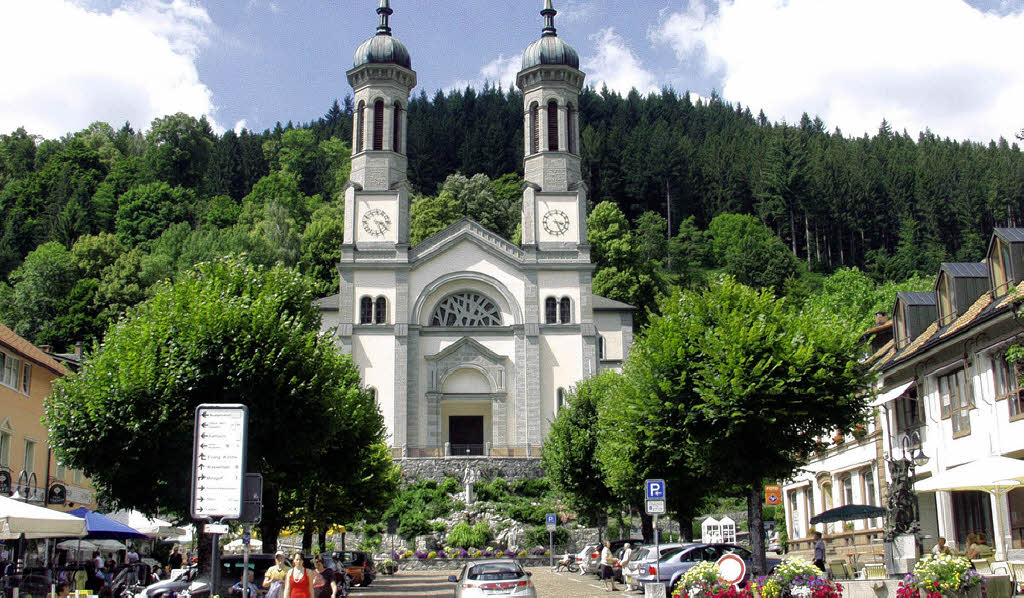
x=587 y=558
x=488 y=578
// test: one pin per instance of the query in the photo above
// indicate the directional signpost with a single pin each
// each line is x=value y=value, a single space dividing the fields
x=218 y=461
x=654 y=499
x=552 y=522
x=218 y=468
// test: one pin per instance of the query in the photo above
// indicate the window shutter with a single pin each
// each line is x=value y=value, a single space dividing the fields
x=552 y=127
x=378 y=125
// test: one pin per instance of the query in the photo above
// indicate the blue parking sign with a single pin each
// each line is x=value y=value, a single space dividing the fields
x=654 y=489
x=551 y=519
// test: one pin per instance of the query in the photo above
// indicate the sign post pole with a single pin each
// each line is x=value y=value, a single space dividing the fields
x=245 y=559
x=655 y=499
x=551 y=519
x=215 y=569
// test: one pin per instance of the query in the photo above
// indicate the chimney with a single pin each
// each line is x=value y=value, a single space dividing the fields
x=881 y=318
x=48 y=349
x=79 y=348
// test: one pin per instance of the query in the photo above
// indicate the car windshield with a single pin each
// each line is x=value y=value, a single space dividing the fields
x=742 y=552
x=495 y=571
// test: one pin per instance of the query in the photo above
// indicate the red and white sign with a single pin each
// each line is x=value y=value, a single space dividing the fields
x=731 y=569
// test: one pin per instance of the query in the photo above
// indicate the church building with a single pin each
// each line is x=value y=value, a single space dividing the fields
x=469 y=342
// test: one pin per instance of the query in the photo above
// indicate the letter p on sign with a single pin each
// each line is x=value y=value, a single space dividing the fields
x=655 y=489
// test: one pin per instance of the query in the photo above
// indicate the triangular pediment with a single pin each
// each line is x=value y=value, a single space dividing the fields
x=467 y=347
x=470 y=230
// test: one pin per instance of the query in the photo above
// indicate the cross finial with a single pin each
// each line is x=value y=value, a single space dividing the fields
x=384 y=10
x=549 y=13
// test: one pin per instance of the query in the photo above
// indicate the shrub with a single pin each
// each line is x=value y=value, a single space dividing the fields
x=464 y=536
x=538 y=536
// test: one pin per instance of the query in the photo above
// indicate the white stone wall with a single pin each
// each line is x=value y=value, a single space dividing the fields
x=609 y=326
x=375 y=356
x=561 y=366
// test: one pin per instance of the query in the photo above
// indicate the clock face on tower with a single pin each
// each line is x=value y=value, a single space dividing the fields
x=556 y=222
x=376 y=222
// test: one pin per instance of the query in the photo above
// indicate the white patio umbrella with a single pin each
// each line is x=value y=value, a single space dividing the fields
x=151 y=526
x=255 y=545
x=995 y=475
x=17 y=518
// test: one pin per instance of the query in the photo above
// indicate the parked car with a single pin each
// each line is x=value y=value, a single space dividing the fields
x=358 y=564
x=644 y=556
x=672 y=566
x=487 y=578
x=179 y=581
x=775 y=545
x=594 y=558
x=583 y=557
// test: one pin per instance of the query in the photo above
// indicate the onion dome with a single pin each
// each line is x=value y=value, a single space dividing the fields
x=383 y=48
x=549 y=49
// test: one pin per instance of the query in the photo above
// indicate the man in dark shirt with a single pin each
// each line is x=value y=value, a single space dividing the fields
x=175 y=560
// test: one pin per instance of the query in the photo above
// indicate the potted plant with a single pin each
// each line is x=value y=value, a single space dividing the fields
x=937 y=576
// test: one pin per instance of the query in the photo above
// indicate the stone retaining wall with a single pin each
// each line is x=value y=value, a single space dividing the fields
x=455 y=564
x=438 y=468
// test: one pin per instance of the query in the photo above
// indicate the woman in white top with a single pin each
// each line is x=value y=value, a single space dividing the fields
x=607 y=566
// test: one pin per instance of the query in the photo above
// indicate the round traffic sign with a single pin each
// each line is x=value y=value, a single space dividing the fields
x=731 y=568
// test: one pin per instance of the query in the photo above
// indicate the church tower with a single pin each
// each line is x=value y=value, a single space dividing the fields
x=377 y=196
x=555 y=201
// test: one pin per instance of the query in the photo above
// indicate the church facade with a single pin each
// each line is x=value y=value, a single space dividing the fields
x=469 y=342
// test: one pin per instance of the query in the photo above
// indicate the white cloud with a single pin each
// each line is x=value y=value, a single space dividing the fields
x=918 y=63
x=500 y=71
x=617 y=66
x=575 y=11
x=242 y=124
x=75 y=66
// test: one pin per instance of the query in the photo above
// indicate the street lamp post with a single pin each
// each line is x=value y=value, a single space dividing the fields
x=903 y=511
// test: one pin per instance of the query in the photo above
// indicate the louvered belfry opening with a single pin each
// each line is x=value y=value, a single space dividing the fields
x=534 y=128
x=360 y=126
x=552 y=126
x=378 y=125
x=571 y=133
x=396 y=142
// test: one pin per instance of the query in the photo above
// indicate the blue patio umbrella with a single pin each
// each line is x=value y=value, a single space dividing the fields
x=101 y=527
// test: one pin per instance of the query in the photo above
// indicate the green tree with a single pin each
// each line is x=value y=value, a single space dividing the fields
x=747 y=250
x=321 y=246
x=37 y=288
x=429 y=215
x=223 y=332
x=739 y=385
x=179 y=148
x=568 y=456
x=147 y=210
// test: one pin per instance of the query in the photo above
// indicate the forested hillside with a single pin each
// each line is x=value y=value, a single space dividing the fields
x=89 y=221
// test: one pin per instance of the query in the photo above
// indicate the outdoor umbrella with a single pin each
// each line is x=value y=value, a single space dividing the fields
x=101 y=527
x=995 y=475
x=151 y=526
x=848 y=513
x=17 y=518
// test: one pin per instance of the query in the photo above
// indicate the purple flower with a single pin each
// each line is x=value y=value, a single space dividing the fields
x=464 y=553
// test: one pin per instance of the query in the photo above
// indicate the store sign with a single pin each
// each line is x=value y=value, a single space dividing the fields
x=57 y=495
x=79 y=496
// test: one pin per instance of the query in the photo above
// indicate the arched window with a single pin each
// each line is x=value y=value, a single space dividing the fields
x=559 y=399
x=466 y=309
x=360 y=126
x=571 y=115
x=550 y=311
x=380 y=311
x=378 y=125
x=564 y=311
x=366 y=310
x=600 y=347
x=396 y=141
x=552 y=126
x=534 y=128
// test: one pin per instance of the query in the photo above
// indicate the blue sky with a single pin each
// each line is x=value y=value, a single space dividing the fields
x=952 y=65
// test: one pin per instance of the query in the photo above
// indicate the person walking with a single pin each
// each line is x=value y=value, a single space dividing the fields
x=819 y=552
x=627 y=556
x=607 y=564
x=275 y=576
x=299 y=581
x=175 y=560
x=325 y=584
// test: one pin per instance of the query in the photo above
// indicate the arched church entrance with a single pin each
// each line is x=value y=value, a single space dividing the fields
x=467 y=398
x=466 y=412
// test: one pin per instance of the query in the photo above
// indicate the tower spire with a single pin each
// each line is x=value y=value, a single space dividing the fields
x=384 y=10
x=549 y=13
